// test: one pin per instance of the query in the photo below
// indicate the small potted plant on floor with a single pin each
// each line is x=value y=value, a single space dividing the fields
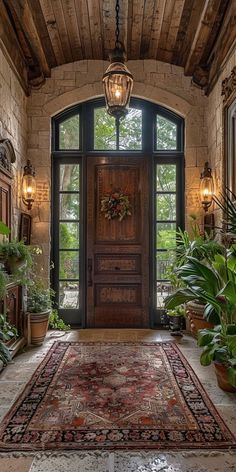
x=176 y=320
x=39 y=304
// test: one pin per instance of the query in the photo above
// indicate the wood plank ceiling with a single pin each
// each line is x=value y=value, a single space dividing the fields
x=193 y=34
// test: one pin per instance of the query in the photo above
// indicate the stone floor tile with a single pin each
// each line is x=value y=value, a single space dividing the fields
x=71 y=462
x=16 y=464
x=228 y=413
x=179 y=462
x=9 y=391
x=3 y=412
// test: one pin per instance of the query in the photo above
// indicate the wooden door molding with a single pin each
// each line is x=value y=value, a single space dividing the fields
x=118 y=251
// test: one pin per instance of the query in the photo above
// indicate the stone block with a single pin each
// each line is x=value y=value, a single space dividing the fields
x=40 y=123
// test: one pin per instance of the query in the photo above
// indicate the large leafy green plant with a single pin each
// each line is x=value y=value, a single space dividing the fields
x=227 y=203
x=215 y=286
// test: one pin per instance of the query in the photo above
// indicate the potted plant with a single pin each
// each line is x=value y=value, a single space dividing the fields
x=227 y=204
x=15 y=255
x=203 y=247
x=39 y=303
x=7 y=332
x=176 y=320
x=215 y=286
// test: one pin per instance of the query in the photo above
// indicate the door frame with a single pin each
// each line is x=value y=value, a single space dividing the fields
x=150 y=110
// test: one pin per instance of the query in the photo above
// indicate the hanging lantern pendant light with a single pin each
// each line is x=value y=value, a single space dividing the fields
x=117 y=80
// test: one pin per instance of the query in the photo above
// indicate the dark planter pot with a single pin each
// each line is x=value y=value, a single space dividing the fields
x=222 y=377
x=13 y=264
x=195 y=313
x=176 y=325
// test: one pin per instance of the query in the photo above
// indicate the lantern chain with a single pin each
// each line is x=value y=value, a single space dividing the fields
x=117 y=44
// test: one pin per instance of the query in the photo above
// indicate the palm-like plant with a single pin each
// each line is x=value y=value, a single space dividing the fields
x=215 y=286
x=227 y=205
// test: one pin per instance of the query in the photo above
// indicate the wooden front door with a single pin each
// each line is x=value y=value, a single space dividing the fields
x=117 y=251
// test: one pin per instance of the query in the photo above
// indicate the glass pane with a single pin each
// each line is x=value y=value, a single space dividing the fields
x=69 y=133
x=166 y=134
x=165 y=206
x=69 y=206
x=163 y=290
x=104 y=130
x=69 y=295
x=69 y=177
x=69 y=265
x=69 y=235
x=166 y=177
x=165 y=235
x=131 y=130
x=163 y=260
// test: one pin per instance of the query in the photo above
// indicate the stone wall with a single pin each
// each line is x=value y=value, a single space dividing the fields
x=80 y=81
x=215 y=125
x=13 y=126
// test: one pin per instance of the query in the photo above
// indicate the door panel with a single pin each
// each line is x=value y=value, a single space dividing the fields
x=117 y=251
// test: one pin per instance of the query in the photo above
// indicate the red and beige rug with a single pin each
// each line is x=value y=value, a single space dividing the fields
x=113 y=395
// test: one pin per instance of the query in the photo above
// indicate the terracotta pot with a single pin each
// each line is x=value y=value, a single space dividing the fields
x=38 y=327
x=222 y=377
x=195 y=313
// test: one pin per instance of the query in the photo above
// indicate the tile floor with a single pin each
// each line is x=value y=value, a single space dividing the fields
x=14 y=377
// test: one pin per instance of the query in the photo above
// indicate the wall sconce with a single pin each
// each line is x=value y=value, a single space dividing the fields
x=28 y=185
x=206 y=187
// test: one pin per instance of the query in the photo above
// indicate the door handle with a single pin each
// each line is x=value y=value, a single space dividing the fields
x=90 y=272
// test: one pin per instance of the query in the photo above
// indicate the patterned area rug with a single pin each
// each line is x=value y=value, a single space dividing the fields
x=113 y=395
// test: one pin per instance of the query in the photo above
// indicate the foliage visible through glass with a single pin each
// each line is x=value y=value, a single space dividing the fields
x=69 y=235
x=104 y=130
x=69 y=133
x=69 y=177
x=69 y=265
x=69 y=206
x=165 y=235
x=165 y=226
x=130 y=130
x=166 y=178
x=166 y=206
x=166 y=134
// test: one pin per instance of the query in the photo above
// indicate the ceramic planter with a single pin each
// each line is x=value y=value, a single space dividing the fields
x=222 y=377
x=38 y=324
x=195 y=313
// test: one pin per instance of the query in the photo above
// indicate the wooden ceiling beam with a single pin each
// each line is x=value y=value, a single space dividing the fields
x=23 y=13
x=53 y=32
x=72 y=29
x=95 y=28
x=168 y=40
x=42 y=30
x=225 y=43
x=165 y=27
x=136 y=29
x=202 y=35
x=155 y=32
x=147 y=26
x=81 y=10
x=191 y=15
x=12 y=49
